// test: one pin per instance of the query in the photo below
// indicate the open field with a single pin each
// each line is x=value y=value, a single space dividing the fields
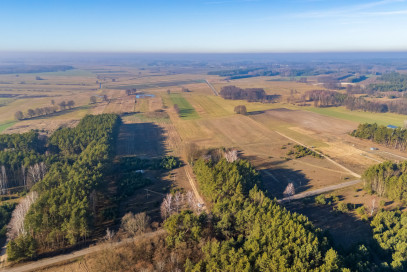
x=186 y=111
x=361 y=116
x=152 y=129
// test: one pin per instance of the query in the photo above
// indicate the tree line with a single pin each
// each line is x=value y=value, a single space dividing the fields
x=61 y=207
x=325 y=98
x=393 y=82
x=394 y=138
x=387 y=179
x=249 y=94
x=63 y=105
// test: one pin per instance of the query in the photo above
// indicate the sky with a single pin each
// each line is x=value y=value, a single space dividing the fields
x=203 y=25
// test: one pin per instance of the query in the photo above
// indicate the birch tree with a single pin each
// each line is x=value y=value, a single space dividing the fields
x=289 y=190
x=231 y=155
x=16 y=225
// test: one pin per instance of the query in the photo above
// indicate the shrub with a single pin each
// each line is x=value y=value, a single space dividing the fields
x=343 y=207
x=320 y=200
x=170 y=162
x=361 y=210
x=21 y=248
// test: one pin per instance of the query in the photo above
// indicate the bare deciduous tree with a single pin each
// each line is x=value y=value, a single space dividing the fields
x=289 y=190
x=37 y=172
x=109 y=235
x=231 y=155
x=178 y=201
x=191 y=201
x=167 y=206
x=16 y=225
x=135 y=224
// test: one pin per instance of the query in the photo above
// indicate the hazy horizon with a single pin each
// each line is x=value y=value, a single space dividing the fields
x=203 y=26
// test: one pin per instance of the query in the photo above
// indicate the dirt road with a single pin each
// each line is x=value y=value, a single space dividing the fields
x=321 y=190
x=73 y=255
x=213 y=88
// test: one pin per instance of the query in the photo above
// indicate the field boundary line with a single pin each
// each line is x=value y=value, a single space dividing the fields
x=326 y=157
x=213 y=88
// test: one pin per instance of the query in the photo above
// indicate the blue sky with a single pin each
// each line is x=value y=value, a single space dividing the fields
x=203 y=25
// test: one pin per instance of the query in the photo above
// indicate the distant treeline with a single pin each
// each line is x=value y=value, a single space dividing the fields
x=395 y=138
x=20 y=69
x=393 y=82
x=325 y=98
x=270 y=71
x=249 y=94
x=244 y=73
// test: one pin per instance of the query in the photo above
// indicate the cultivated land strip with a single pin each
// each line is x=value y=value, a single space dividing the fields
x=76 y=254
x=329 y=159
x=320 y=191
x=213 y=88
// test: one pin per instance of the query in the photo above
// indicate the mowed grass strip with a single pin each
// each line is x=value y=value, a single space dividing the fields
x=6 y=125
x=361 y=116
x=187 y=112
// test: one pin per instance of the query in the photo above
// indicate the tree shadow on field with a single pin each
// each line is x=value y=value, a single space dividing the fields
x=255 y=112
x=276 y=180
x=144 y=140
x=343 y=229
x=186 y=112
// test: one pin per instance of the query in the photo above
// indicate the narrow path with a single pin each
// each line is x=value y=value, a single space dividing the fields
x=213 y=88
x=320 y=191
x=320 y=167
x=392 y=154
x=192 y=183
x=73 y=255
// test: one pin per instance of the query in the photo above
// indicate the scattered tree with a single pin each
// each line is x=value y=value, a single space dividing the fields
x=241 y=109
x=62 y=105
x=289 y=190
x=70 y=104
x=30 y=113
x=19 y=115
x=93 y=99
x=135 y=224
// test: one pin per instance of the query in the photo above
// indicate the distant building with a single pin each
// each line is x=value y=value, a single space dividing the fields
x=373 y=148
x=391 y=126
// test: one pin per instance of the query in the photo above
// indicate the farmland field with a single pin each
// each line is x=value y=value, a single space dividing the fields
x=265 y=136
x=187 y=112
x=361 y=116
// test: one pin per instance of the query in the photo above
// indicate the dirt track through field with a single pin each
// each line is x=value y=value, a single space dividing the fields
x=213 y=88
x=321 y=190
x=329 y=159
x=76 y=254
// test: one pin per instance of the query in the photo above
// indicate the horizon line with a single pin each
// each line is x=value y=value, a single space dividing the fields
x=205 y=52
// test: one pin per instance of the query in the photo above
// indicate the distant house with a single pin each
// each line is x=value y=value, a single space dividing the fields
x=373 y=148
x=391 y=126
